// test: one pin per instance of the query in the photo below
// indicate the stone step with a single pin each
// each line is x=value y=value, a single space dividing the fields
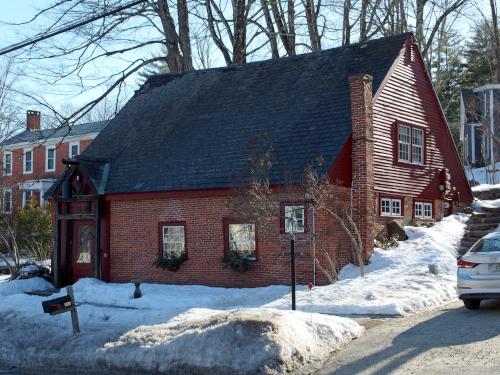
x=485 y=219
x=495 y=210
x=481 y=226
x=476 y=233
x=489 y=194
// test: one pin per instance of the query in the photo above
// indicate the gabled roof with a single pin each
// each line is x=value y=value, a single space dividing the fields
x=192 y=130
x=76 y=130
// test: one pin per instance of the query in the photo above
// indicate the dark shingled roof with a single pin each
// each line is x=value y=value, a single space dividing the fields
x=47 y=134
x=192 y=130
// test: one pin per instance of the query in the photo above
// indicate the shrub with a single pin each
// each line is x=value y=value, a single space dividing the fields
x=235 y=261
x=171 y=263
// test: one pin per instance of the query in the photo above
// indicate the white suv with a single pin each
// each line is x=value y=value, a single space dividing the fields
x=478 y=274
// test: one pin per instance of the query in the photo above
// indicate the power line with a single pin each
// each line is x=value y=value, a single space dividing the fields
x=63 y=29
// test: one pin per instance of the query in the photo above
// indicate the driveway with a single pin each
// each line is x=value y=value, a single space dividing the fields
x=449 y=340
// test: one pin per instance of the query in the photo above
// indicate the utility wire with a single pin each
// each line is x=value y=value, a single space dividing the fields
x=63 y=29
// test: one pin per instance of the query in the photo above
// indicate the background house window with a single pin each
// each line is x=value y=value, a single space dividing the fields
x=7 y=163
x=390 y=207
x=411 y=142
x=174 y=241
x=7 y=200
x=423 y=210
x=74 y=149
x=297 y=213
x=241 y=239
x=50 y=159
x=404 y=143
x=28 y=161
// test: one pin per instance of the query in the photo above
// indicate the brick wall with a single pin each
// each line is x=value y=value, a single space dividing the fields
x=134 y=243
x=363 y=195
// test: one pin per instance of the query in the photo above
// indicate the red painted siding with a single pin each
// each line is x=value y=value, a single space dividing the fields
x=407 y=96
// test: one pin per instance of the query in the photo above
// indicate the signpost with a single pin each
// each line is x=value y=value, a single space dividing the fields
x=61 y=305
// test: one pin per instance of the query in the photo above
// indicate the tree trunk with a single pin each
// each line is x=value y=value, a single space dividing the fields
x=346 y=27
x=496 y=38
x=240 y=28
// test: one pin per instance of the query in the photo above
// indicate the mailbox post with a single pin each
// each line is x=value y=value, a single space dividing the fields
x=61 y=305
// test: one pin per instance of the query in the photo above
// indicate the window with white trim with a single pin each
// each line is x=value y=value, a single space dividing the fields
x=7 y=163
x=423 y=210
x=50 y=158
x=241 y=239
x=404 y=143
x=411 y=144
x=417 y=146
x=390 y=207
x=7 y=200
x=74 y=149
x=174 y=241
x=28 y=160
x=294 y=219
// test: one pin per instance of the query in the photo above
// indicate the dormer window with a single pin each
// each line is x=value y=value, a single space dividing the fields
x=28 y=161
x=411 y=144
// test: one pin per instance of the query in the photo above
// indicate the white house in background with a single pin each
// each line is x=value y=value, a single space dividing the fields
x=32 y=159
x=480 y=124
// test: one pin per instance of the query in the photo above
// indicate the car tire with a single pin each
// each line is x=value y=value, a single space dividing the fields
x=472 y=304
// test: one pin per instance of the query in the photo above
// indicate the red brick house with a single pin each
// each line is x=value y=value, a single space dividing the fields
x=158 y=180
x=32 y=159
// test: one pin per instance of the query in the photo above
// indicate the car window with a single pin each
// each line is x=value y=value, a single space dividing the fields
x=487 y=245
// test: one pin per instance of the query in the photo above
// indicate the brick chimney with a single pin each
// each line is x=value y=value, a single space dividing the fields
x=32 y=120
x=363 y=194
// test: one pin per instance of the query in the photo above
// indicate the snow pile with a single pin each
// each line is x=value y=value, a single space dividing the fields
x=8 y=288
x=235 y=341
x=397 y=281
x=484 y=175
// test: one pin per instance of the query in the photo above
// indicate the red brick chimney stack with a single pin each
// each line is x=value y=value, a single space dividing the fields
x=33 y=120
x=363 y=194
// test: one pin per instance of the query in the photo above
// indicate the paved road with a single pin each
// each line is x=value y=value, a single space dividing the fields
x=450 y=340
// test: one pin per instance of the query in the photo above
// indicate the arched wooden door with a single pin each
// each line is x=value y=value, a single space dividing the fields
x=83 y=249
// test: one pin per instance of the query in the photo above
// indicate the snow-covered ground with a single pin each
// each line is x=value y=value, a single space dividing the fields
x=487 y=176
x=234 y=330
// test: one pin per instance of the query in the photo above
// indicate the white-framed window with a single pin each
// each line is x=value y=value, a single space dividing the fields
x=7 y=163
x=411 y=144
x=7 y=200
x=50 y=158
x=26 y=196
x=417 y=146
x=423 y=210
x=390 y=207
x=404 y=143
x=241 y=239
x=174 y=240
x=74 y=149
x=28 y=160
x=294 y=219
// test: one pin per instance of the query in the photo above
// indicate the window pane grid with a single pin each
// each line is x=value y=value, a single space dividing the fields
x=174 y=241
x=390 y=207
x=297 y=213
x=423 y=210
x=242 y=239
x=404 y=143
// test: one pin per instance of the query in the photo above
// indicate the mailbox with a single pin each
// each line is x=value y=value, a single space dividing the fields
x=58 y=305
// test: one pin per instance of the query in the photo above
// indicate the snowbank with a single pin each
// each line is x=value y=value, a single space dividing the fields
x=397 y=281
x=484 y=175
x=235 y=341
x=8 y=288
